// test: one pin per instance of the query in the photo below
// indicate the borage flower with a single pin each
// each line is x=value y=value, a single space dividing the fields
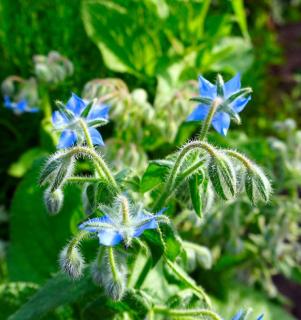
x=230 y=97
x=18 y=107
x=75 y=116
x=122 y=223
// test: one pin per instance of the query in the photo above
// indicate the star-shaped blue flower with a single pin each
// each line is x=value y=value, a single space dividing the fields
x=112 y=230
x=233 y=100
x=18 y=107
x=67 y=120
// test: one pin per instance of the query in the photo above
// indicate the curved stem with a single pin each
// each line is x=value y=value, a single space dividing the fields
x=186 y=313
x=194 y=145
x=100 y=165
x=189 y=282
x=82 y=179
x=113 y=264
x=245 y=161
x=76 y=240
x=86 y=133
x=206 y=124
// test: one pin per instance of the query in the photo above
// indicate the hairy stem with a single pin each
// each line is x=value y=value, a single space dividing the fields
x=243 y=159
x=113 y=264
x=82 y=179
x=76 y=240
x=206 y=124
x=194 y=145
x=86 y=133
x=186 y=313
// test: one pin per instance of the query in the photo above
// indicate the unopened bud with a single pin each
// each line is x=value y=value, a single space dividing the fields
x=257 y=185
x=222 y=176
x=53 y=200
x=72 y=262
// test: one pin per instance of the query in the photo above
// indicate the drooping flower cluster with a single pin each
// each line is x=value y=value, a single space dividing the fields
x=122 y=222
x=77 y=116
x=229 y=96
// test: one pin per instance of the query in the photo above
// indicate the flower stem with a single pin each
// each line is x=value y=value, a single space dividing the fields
x=206 y=124
x=194 y=145
x=86 y=133
x=245 y=161
x=189 y=282
x=76 y=240
x=82 y=179
x=186 y=313
x=113 y=264
x=100 y=164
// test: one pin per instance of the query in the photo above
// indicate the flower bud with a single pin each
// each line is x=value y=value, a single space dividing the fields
x=53 y=200
x=257 y=185
x=222 y=176
x=72 y=262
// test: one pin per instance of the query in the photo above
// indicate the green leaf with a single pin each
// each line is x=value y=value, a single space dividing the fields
x=56 y=292
x=240 y=14
x=24 y=163
x=195 y=183
x=155 y=174
x=35 y=237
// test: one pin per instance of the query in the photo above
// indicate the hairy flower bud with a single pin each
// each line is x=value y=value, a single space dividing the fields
x=222 y=176
x=53 y=200
x=113 y=281
x=257 y=185
x=72 y=262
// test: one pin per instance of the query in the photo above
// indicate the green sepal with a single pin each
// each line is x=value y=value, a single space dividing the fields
x=62 y=109
x=195 y=183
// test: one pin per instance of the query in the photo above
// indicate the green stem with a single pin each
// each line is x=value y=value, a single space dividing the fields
x=194 y=145
x=82 y=179
x=246 y=162
x=189 y=282
x=206 y=124
x=100 y=165
x=86 y=133
x=113 y=264
x=186 y=313
x=76 y=240
x=46 y=106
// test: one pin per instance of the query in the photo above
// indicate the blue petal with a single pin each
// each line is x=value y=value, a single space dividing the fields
x=7 y=102
x=67 y=139
x=109 y=237
x=239 y=104
x=238 y=315
x=98 y=111
x=75 y=104
x=21 y=105
x=85 y=225
x=199 y=113
x=96 y=137
x=260 y=317
x=232 y=85
x=221 y=122
x=207 y=89
x=151 y=224
x=159 y=213
x=59 y=120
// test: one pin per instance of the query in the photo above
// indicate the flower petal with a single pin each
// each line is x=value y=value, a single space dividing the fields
x=21 y=105
x=221 y=122
x=238 y=315
x=96 y=137
x=239 y=104
x=75 y=104
x=59 y=120
x=7 y=102
x=207 y=89
x=32 y=110
x=260 y=317
x=67 y=139
x=150 y=224
x=98 y=111
x=199 y=113
x=232 y=85
x=109 y=237
x=88 y=225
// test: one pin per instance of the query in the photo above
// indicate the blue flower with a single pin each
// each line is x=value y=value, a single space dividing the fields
x=68 y=118
x=232 y=99
x=112 y=228
x=240 y=315
x=18 y=107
